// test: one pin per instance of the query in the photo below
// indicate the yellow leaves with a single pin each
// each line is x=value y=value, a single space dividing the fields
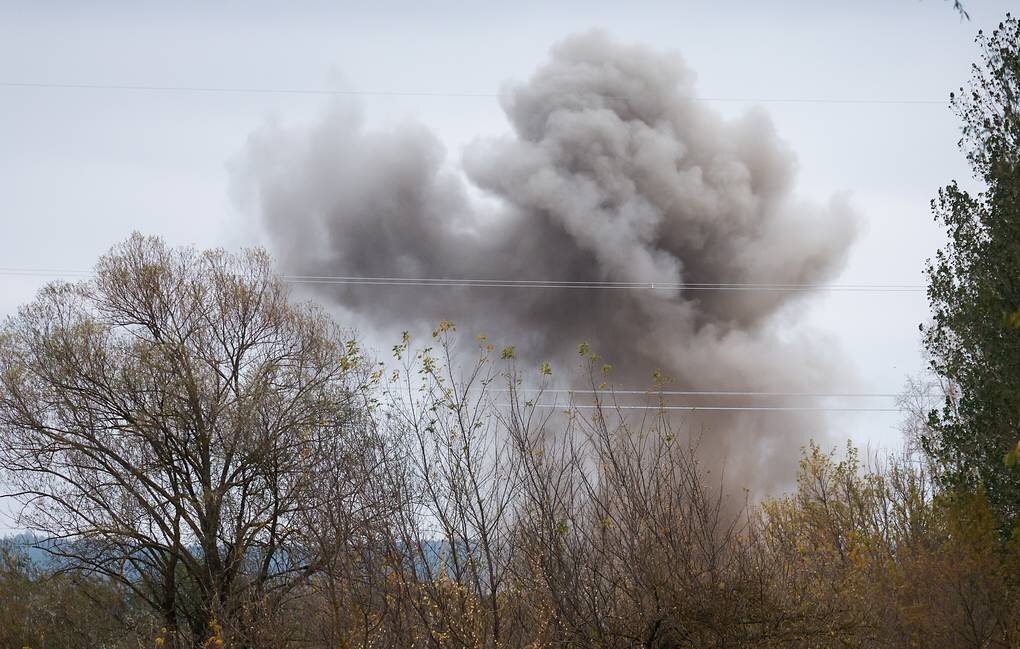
x=545 y=369
x=584 y=348
x=507 y=353
x=443 y=327
x=215 y=639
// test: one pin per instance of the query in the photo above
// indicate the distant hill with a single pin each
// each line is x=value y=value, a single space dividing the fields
x=33 y=545
x=437 y=553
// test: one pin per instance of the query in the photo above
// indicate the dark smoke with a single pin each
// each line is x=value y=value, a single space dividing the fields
x=612 y=172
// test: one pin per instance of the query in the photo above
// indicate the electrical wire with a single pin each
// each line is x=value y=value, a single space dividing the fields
x=719 y=393
x=49 y=272
x=459 y=95
x=540 y=284
x=707 y=408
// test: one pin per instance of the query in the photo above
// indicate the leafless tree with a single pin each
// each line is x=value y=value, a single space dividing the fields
x=454 y=539
x=170 y=421
x=923 y=395
x=632 y=542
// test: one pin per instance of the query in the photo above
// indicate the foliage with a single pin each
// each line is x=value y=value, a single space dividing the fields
x=216 y=466
x=974 y=287
x=631 y=547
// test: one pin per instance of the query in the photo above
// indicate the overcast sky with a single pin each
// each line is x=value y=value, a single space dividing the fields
x=82 y=168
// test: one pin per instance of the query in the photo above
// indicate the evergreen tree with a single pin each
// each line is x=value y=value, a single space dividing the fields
x=974 y=286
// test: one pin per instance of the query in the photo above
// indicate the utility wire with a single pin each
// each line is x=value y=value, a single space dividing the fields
x=49 y=272
x=45 y=272
x=542 y=284
x=468 y=95
x=574 y=283
x=719 y=393
x=707 y=408
x=663 y=286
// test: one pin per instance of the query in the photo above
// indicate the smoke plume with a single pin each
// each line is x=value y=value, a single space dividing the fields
x=612 y=172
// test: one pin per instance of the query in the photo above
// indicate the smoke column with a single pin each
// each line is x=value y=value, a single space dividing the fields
x=612 y=172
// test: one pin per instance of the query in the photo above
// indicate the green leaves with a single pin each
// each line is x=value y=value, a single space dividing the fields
x=974 y=337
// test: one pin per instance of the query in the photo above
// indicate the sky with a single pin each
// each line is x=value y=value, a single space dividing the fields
x=81 y=168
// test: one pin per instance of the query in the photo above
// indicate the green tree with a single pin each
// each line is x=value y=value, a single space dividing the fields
x=974 y=286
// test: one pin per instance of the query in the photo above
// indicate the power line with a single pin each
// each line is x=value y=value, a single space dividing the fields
x=462 y=95
x=509 y=283
x=45 y=272
x=558 y=284
x=582 y=282
x=541 y=284
x=719 y=393
x=241 y=90
x=708 y=408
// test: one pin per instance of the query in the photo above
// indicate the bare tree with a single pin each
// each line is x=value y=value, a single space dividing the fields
x=169 y=421
x=454 y=537
x=923 y=395
x=632 y=542
x=537 y=526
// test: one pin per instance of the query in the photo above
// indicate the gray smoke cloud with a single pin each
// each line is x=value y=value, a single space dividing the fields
x=612 y=172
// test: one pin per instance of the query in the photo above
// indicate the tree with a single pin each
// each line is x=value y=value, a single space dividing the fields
x=169 y=420
x=974 y=286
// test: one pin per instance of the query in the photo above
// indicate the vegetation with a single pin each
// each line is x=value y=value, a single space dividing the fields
x=211 y=464
x=177 y=420
x=46 y=609
x=974 y=290
x=483 y=523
